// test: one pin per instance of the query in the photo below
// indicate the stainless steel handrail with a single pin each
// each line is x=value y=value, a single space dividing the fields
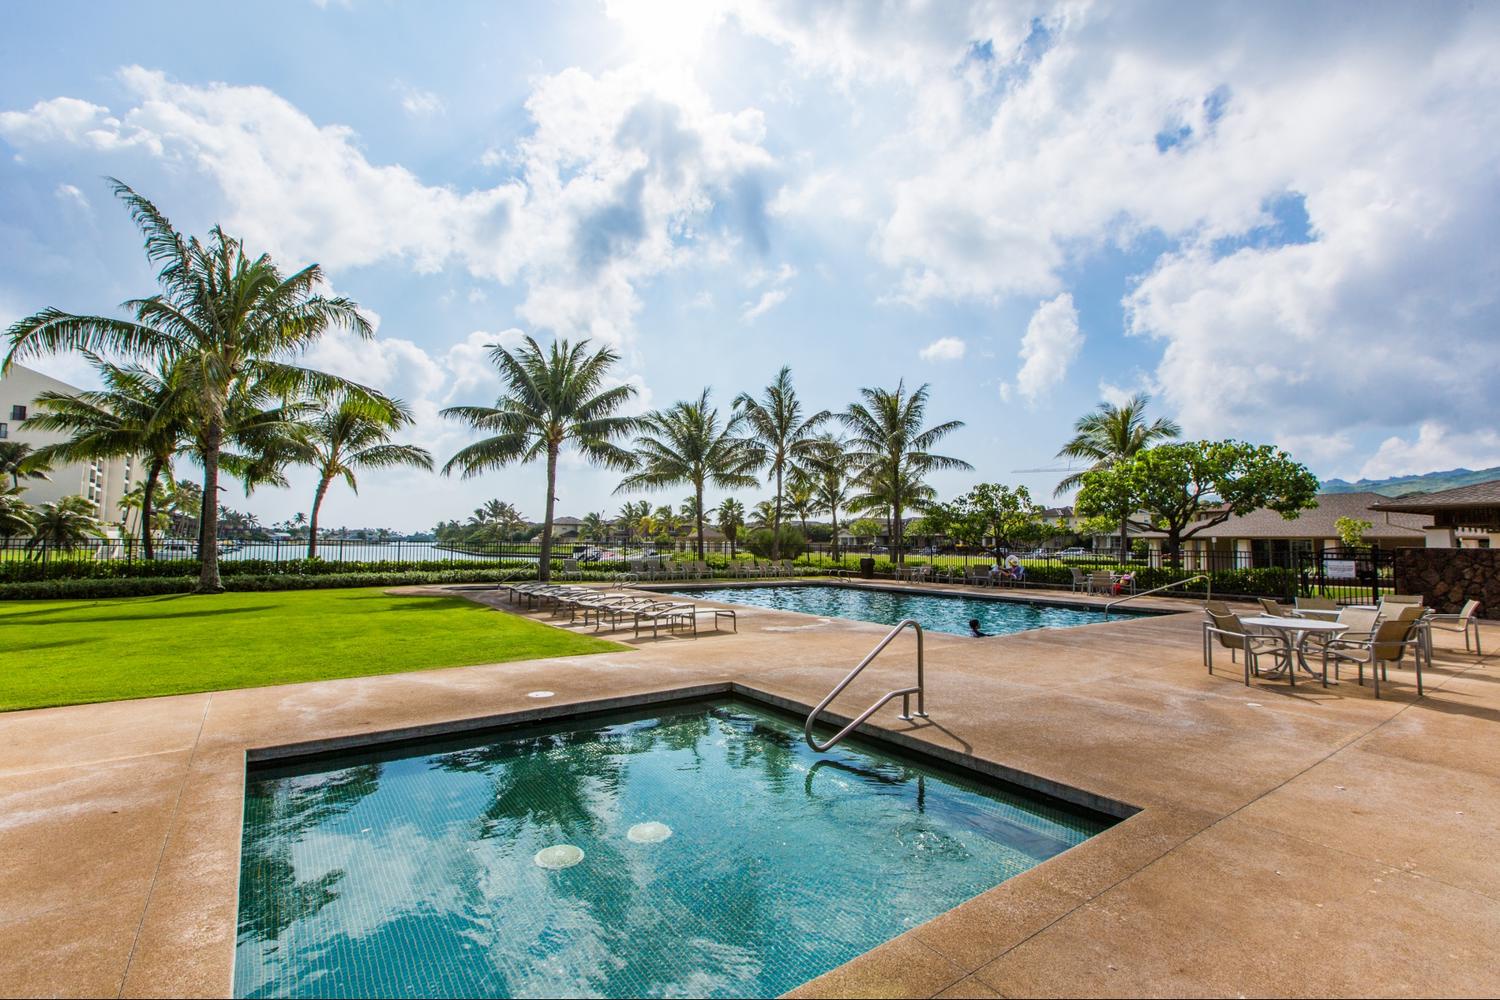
x=904 y=693
x=1208 y=595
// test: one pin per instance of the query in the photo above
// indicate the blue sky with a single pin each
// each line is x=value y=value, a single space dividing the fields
x=1281 y=222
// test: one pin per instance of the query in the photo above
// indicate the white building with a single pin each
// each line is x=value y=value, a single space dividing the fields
x=103 y=482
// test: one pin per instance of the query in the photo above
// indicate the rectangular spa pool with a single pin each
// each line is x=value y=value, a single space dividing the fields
x=684 y=849
x=936 y=612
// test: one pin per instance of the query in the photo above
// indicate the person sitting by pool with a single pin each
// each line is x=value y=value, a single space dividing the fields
x=1123 y=582
x=974 y=629
x=1015 y=570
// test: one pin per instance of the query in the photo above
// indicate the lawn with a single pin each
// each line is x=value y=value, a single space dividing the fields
x=69 y=652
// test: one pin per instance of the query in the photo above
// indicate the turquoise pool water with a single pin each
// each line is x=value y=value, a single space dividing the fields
x=414 y=872
x=937 y=612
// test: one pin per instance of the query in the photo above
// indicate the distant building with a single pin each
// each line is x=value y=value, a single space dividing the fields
x=1465 y=517
x=103 y=482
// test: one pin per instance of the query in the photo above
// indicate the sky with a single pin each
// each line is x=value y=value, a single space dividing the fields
x=1278 y=219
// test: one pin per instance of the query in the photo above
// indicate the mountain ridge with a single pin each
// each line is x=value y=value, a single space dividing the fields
x=1428 y=482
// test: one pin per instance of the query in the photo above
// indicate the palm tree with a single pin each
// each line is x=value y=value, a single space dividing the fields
x=829 y=471
x=686 y=443
x=893 y=452
x=65 y=524
x=232 y=321
x=630 y=516
x=779 y=435
x=595 y=527
x=1112 y=434
x=16 y=516
x=140 y=411
x=20 y=461
x=731 y=520
x=800 y=497
x=763 y=515
x=550 y=399
x=353 y=434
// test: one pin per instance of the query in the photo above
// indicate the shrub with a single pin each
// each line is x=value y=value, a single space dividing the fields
x=792 y=542
x=148 y=586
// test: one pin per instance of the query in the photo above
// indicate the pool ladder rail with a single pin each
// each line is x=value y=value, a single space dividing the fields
x=903 y=693
x=1208 y=596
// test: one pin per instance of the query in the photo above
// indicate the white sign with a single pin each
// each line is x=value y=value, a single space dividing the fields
x=1339 y=569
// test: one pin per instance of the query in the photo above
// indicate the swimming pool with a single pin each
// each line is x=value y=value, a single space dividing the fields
x=689 y=849
x=937 y=612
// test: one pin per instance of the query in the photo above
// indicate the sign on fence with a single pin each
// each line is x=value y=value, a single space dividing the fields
x=1339 y=569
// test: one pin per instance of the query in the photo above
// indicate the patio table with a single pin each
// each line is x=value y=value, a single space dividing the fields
x=1295 y=632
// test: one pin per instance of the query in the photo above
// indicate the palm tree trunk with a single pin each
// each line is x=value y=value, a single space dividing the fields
x=1124 y=540
x=699 y=513
x=312 y=536
x=208 y=518
x=153 y=472
x=834 y=511
x=776 y=520
x=896 y=533
x=544 y=559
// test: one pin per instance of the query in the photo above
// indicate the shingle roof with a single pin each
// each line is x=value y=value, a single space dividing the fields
x=1319 y=522
x=1474 y=495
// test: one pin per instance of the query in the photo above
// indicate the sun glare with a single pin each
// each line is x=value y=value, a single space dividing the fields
x=664 y=30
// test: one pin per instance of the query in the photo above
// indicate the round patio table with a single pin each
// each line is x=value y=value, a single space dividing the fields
x=1294 y=632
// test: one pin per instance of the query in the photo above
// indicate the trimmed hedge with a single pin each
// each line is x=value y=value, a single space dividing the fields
x=37 y=590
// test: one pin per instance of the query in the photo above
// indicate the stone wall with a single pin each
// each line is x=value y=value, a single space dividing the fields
x=1448 y=577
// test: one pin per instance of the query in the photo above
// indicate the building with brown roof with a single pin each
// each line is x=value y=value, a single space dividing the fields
x=1466 y=516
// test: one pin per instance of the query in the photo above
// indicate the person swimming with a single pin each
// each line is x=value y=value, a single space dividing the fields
x=974 y=629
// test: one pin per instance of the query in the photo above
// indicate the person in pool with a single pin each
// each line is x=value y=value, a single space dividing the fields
x=974 y=628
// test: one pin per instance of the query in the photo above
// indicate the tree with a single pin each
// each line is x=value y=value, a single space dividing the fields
x=1004 y=514
x=893 y=451
x=779 y=435
x=1352 y=531
x=763 y=514
x=550 y=400
x=828 y=470
x=1186 y=488
x=630 y=516
x=232 y=321
x=731 y=520
x=866 y=528
x=595 y=527
x=801 y=498
x=351 y=434
x=687 y=444
x=66 y=524
x=1109 y=435
x=17 y=519
x=19 y=461
x=140 y=411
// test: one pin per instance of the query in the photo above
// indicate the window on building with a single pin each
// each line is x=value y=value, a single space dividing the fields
x=4 y=431
x=18 y=412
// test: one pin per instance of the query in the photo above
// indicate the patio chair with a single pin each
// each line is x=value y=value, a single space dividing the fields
x=975 y=576
x=1080 y=579
x=1388 y=644
x=1465 y=621
x=1229 y=632
x=570 y=570
x=1315 y=604
x=1274 y=609
x=1403 y=599
x=1101 y=582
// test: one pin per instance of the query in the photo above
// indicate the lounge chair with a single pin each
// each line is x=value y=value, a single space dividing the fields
x=1465 y=621
x=672 y=616
x=1228 y=631
x=1388 y=644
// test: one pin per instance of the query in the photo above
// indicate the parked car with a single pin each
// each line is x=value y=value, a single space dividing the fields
x=1075 y=553
x=587 y=553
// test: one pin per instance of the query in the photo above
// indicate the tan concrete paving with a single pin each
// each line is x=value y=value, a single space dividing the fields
x=1289 y=841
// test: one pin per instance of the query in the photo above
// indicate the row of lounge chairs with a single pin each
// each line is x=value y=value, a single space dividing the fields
x=615 y=609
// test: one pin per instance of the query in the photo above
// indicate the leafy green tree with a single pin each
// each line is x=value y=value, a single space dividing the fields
x=551 y=399
x=1186 y=488
x=893 y=450
x=19 y=461
x=1109 y=435
x=865 y=527
x=1007 y=515
x=16 y=516
x=686 y=443
x=233 y=323
x=731 y=521
x=65 y=524
x=779 y=435
x=1352 y=531
x=140 y=411
x=350 y=435
x=790 y=545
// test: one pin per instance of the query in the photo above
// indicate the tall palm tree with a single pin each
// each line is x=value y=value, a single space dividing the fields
x=230 y=319
x=353 y=434
x=594 y=527
x=630 y=515
x=780 y=436
x=551 y=399
x=801 y=498
x=20 y=461
x=829 y=471
x=893 y=450
x=1111 y=434
x=687 y=443
x=731 y=520
x=140 y=411
x=16 y=516
x=65 y=524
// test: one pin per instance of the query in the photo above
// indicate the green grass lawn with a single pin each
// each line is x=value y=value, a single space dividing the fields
x=69 y=652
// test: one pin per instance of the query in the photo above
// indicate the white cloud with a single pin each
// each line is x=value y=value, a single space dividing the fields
x=420 y=103
x=769 y=299
x=1051 y=343
x=1436 y=448
x=775 y=286
x=70 y=195
x=944 y=349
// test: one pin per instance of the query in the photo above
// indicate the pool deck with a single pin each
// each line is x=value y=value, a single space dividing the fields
x=1289 y=841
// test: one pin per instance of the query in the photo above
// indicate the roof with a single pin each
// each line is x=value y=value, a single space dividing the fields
x=1485 y=494
x=1319 y=521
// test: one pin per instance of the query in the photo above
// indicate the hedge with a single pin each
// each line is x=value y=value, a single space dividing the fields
x=37 y=590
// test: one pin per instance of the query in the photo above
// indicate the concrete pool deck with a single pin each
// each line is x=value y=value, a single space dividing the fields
x=1289 y=841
